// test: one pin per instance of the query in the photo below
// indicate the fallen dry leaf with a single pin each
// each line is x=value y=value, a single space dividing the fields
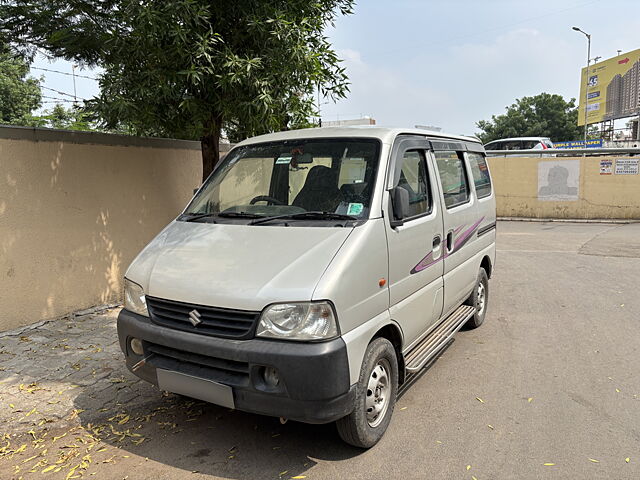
x=549 y=464
x=594 y=460
x=480 y=400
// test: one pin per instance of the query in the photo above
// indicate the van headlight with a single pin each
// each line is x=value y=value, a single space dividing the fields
x=134 y=300
x=298 y=321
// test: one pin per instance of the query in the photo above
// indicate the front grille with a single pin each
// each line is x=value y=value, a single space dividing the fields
x=217 y=322
x=228 y=372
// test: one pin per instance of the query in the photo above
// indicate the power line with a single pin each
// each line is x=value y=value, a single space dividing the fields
x=61 y=93
x=57 y=99
x=63 y=73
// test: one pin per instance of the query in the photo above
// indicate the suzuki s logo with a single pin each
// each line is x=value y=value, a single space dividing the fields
x=195 y=318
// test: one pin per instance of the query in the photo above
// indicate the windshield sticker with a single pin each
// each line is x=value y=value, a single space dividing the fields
x=283 y=160
x=355 y=209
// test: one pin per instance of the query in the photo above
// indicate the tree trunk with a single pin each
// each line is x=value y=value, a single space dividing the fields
x=210 y=144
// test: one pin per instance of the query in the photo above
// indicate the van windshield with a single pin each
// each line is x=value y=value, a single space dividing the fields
x=291 y=177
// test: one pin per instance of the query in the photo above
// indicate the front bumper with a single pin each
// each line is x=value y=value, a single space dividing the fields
x=314 y=377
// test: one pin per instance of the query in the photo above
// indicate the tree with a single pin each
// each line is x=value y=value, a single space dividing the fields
x=73 y=118
x=19 y=94
x=191 y=68
x=544 y=115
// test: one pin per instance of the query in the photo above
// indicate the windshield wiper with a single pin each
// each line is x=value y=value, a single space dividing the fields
x=197 y=216
x=239 y=215
x=313 y=215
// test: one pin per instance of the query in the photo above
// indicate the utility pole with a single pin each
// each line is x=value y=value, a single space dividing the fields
x=73 y=73
x=586 y=93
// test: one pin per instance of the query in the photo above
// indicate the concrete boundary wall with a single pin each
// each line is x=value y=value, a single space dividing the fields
x=75 y=208
x=565 y=187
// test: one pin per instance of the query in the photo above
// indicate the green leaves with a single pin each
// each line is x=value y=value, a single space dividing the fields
x=543 y=115
x=19 y=94
x=188 y=68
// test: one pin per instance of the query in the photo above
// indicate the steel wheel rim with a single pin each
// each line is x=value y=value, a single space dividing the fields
x=482 y=298
x=378 y=393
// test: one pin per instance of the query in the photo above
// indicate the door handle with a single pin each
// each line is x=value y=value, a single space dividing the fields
x=437 y=246
x=450 y=241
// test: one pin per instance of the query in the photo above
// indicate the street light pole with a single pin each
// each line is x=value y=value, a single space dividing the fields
x=586 y=87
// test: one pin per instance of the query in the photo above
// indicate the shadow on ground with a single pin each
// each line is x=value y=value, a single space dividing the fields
x=203 y=438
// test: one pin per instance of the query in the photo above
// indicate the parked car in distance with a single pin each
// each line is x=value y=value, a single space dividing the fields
x=313 y=272
x=519 y=143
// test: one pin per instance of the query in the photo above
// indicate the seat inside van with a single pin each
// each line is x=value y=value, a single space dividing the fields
x=320 y=190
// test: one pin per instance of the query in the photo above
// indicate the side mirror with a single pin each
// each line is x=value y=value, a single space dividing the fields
x=195 y=190
x=400 y=204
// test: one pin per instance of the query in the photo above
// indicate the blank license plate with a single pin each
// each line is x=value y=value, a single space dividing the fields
x=195 y=387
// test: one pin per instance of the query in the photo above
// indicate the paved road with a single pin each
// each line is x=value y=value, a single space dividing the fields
x=551 y=378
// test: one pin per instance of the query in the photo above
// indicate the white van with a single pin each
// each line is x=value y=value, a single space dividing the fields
x=313 y=272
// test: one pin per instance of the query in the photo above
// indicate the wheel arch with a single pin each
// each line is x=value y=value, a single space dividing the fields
x=486 y=264
x=392 y=332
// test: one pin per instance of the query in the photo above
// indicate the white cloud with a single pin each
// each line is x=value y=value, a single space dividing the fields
x=457 y=86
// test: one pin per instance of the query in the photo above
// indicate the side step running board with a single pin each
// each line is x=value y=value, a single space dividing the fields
x=431 y=345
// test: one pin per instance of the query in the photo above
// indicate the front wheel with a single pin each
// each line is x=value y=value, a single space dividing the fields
x=376 y=393
x=479 y=299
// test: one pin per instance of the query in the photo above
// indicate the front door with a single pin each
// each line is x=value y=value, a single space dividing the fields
x=416 y=247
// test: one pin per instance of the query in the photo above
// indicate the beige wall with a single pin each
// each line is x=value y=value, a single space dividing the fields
x=75 y=212
x=599 y=196
x=75 y=208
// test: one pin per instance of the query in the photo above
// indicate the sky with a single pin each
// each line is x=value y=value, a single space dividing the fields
x=451 y=63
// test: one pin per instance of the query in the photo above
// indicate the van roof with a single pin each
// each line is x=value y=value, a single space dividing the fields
x=386 y=135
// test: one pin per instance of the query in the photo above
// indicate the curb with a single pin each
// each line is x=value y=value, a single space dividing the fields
x=76 y=313
x=568 y=220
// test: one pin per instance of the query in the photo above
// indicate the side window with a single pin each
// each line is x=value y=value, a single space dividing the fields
x=480 y=172
x=453 y=177
x=414 y=179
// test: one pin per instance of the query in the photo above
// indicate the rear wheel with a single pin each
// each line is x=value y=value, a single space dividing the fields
x=479 y=299
x=375 y=396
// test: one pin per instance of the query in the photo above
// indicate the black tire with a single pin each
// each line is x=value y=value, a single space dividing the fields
x=473 y=300
x=355 y=428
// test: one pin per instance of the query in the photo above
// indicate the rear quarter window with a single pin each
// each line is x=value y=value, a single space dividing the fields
x=480 y=172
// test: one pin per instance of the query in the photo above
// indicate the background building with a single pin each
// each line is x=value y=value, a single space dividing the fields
x=344 y=123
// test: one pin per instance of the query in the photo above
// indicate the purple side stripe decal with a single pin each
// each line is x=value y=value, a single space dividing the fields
x=458 y=243
x=426 y=262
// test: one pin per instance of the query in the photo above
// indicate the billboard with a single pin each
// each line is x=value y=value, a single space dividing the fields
x=613 y=88
x=577 y=144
